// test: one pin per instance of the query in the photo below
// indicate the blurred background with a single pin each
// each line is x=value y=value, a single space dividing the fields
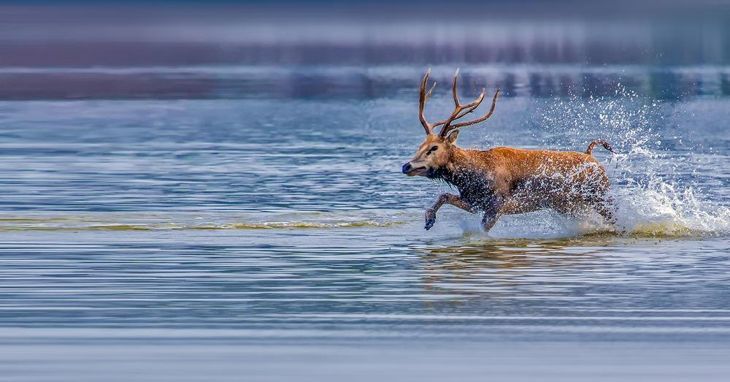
x=648 y=46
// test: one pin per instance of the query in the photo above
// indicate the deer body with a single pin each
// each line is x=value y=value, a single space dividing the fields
x=505 y=180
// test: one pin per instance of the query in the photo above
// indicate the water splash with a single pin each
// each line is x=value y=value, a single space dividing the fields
x=660 y=208
x=655 y=194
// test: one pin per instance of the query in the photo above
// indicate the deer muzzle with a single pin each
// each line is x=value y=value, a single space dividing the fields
x=412 y=170
x=406 y=167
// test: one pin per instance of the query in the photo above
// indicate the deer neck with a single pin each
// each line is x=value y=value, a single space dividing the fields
x=461 y=170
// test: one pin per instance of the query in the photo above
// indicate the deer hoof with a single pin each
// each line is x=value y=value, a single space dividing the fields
x=430 y=219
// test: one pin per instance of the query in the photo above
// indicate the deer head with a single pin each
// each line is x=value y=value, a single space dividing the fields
x=435 y=151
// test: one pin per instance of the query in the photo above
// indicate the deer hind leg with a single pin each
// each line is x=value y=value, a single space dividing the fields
x=599 y=198
x=600 y=203
x=489 y=220
x=606 y=208
x=445 y=199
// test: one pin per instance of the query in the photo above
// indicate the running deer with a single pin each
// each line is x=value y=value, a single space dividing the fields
x=505 y=180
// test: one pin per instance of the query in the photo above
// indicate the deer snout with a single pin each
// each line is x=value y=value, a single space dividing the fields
x=406 y=167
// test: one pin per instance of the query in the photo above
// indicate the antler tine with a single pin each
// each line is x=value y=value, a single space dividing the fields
x=428 y=95
x=458 y=107
x=453 y=88
x=483 y=118
x=460 y=110
x=468 y=108
x=471 y=106
x=422 y=97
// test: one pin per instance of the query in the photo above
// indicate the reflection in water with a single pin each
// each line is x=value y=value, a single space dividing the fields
x=494 y=268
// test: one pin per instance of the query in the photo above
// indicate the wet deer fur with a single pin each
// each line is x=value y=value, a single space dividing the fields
x=505 y=180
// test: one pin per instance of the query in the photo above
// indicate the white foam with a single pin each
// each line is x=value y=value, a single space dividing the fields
x=663 y=209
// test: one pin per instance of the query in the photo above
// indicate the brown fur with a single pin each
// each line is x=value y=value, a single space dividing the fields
x=506 y=180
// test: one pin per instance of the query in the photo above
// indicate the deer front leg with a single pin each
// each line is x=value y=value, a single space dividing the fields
x=445 y=199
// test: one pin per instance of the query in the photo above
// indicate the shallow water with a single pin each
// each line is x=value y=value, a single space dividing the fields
x=261 y=227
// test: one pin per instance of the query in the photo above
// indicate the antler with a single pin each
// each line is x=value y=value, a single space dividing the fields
x=422 y=98
x=461 y=110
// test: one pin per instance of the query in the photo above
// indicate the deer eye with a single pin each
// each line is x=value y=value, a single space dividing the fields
x=432 y=149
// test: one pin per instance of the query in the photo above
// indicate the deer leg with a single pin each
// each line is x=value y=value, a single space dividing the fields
x=445 y=199
x=493 y=213
x=489 y=220
x=605 y=209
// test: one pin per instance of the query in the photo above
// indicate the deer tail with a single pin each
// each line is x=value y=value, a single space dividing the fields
x=601 y=142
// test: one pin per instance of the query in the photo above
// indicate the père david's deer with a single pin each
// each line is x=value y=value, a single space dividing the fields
x=505 y=180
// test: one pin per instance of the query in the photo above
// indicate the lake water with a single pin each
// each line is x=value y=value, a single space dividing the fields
x=249 y=221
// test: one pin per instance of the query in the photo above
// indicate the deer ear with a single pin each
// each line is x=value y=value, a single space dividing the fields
x=451 y=138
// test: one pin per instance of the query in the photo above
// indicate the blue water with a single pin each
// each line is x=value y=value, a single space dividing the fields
x=250 y=222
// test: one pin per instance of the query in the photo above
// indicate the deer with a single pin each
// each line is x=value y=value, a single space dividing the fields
x=505 y=180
